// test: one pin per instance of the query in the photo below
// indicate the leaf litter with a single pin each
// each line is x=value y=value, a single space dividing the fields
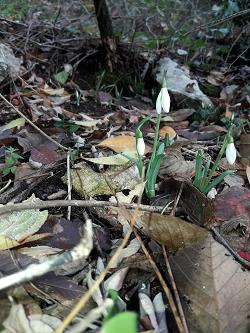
x=96 y=120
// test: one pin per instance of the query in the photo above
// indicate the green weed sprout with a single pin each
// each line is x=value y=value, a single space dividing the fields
x=203 y=175
x=11 y=159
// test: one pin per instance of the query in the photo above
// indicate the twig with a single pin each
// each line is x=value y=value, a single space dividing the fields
x=84 y=299
x=74 y=203
x=80 y=251
x=177 y=200
x=175 y=290
x=92 y=316
x=216 y=22
x=170 y=274
x=31 y=123
x=69 y=183
x=5 y=186
x=221 y=240
x=163 y=284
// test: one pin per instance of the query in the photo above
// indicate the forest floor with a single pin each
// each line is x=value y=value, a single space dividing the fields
x=73 y=200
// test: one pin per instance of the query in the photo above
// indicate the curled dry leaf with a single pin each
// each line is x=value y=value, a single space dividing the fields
x=213 y=288
x=173 y=164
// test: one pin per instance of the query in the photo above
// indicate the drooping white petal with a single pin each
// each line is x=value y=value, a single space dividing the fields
x=165 y=99
x=140 y=146
x=231 y=153
x=158 y=103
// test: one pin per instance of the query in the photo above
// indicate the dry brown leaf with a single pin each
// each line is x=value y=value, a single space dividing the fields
x=167 y=130
x=171 y=231
x=214 y=289
x=120 y=143
x=173 y=164
x=87 y=182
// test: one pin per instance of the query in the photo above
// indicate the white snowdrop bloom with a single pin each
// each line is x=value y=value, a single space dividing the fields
x=163 y=99
x=231 y=153
x=140 y=146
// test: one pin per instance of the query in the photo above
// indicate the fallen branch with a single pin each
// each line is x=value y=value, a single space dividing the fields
x=80 y=251
x=9 y=208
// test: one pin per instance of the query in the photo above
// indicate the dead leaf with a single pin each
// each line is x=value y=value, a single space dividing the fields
x=87 y=182
x=19 y=122
x=167 y=130
x=44 y=154
x=120 y=143
x=213 y=288
x=245 y=145
x=233 y=202
x=136 y=192
x=216 y=78
x=53 y=92
x=180 y=115
x=117 y=159
x=132 y=248
x=171 y=231
x=115 y=281
x=173 y=164
x=234 y=180
x=197 y=206
x=22 y=224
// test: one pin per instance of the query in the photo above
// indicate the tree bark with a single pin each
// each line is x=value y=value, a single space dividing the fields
x=106 y=31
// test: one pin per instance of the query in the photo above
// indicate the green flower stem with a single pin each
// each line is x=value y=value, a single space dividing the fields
x=157 y=128
x=218 y=158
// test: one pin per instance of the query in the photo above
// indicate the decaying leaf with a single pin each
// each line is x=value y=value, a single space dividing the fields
x=214 y=289
x=180 y=115
x=173 y=164
x=19 y=122
x=231 y=203
x=171 y=231
x=20 y=225
x=136 y=192
x=117 y=159
x=87 y=182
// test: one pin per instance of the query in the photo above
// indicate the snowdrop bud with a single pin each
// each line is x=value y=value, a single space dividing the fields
x=163 y=99
x=140 y=144
x=230 y=151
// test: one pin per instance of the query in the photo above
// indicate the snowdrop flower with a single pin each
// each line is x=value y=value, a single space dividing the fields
x=140 y=144
x=230 y=151
x=163 y=99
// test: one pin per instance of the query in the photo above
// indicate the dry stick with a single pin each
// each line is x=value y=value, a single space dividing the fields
x=84 y=299
x=5 y=186
x=216 y=22
x=80 y=251
x=221 y=240
x=92 y=316
x=31 y=123
x=175 y=290
x=69 y=183
x=163 y=284
x=170 y=273
x=76 y=203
